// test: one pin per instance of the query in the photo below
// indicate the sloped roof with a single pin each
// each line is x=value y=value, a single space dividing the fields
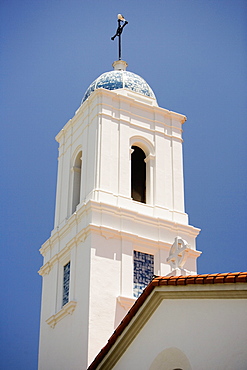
x=220 y=278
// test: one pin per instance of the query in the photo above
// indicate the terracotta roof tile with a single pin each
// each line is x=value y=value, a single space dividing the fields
x=230 y=279
x=241 y=278
x=227 y=273
x=219 y=279
x=209 y=280
x=199 y=280
x=172 y=281
x=190 y=280
x=202 y=275
x=224 y=278
x=181 y=281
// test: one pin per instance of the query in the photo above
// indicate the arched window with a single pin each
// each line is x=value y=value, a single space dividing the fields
x=76 y=181
x=138 y=174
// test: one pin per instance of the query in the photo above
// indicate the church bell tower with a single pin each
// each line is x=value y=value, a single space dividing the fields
x=119 y=208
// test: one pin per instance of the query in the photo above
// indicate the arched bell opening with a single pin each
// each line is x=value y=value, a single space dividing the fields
x=76 y=192
x=138 y=174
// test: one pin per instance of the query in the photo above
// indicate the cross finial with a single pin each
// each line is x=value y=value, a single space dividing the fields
x=178 y=255
x=121 y=24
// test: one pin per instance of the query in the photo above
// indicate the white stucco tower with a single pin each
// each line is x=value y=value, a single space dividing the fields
x=119 y=208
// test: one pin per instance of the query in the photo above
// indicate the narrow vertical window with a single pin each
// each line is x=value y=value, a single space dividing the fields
x=138 y=175
x=76 y=182
x=143 y=271
x=66 y=278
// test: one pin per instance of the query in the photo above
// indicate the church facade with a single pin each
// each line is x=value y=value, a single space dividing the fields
x=119 y=217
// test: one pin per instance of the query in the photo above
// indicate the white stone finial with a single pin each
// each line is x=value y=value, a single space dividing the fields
x=120 y=65
x=178 y=256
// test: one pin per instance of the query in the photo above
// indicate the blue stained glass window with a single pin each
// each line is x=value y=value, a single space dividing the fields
x=143 y=271
x=66 y=277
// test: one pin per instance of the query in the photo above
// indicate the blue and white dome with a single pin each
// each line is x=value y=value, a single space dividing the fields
x=120 y=79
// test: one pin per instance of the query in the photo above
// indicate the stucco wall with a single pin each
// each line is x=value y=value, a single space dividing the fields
x=206 y=333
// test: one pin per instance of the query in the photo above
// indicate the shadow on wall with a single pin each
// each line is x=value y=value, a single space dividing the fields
x=171 y=359
x=109 y=248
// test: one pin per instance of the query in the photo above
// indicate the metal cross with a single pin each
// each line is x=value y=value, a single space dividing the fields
x=119 y=32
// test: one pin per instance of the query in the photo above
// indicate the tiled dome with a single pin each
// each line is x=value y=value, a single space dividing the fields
x=120 y=79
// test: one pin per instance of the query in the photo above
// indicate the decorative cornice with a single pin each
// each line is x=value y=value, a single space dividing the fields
x=85 y=107
x=58 y=256
x=107 y=232
x=81 y=236
x=45 y=270
x=150 y=157
x=67 y=309
x=178 y=116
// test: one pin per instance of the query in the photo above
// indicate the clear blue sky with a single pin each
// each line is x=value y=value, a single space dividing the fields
x=193 y=55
